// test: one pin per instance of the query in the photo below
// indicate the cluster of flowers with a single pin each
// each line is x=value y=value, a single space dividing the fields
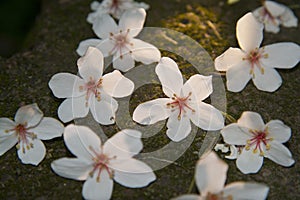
x=99 y=164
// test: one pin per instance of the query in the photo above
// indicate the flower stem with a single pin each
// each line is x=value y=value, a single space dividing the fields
x=191 y=186
x=229 y=117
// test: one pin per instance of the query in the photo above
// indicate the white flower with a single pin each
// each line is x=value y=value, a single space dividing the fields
x=252 y=62
x=27 y=131
x=92 y=91
x=184 y=103
x=119 y=41
x=114 y=7
x=210 y=178
x=273 y=14
x=260 y=140
x=99 y=164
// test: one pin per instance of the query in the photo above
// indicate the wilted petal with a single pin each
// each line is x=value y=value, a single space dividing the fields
x=210 y=174
x=249 y=162
x=283 y=55
x=104 y=25
x=65 y=85
x=251 y=120
x=152 y=111
x=6 y=143
x=288 y=19
x=33 y=155
x=117 y=85
x=133 y=20
x=178 y=129
x=29 y=115
x=272 y=26
x=72 y=168
x=5 y=125
x=169 y=76
x=102 y=189
x=72 y=108
x=48 y=128
x=268 y=81
x=124 y=144
x=85 y=44
x=242 y=190
x=249 y=32
x=90 y=66
x=274 y=8
x=124 y=62
x=144 y=52
x=238 y=76
x=278 y=131
x=229 y=58
x=200 y=87
x=279 y=154
x=236 y=135
x=133 y=173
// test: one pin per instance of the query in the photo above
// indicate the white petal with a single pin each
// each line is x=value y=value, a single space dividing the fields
x=274 y=8
x=238 y=76
x=72 y=168
x=72 y=108
x=288 y=19
x=229 y=58
x=250 y=191
x=235 y=134
x=200 y=86
x=269 y=81
x=93 y=189
x=104 y=111
x=91 y=64
x=211 y=173
x=6 y=143
x=48 y=128
x=91 y=17
x=117 y=85
x=249 y=162
x=124 y=62
x=278 y=131
x=284 y=55
x=65 y=85
x=32 y=155
x=249 y=32
x=207 y=117
x=94 y=5
x=279 y=154
x=234 y=153
x=104 y=25
x=251 y=120
x=152 y=111
x=124 y=144
x=85 y=44
x=169 y=76
x=29 y=115
x=189 y=197
x=144 y=52
x=106 y=46
x=5 y=125
x=133 y=173
x=272 y=26
x=133 y=20
x=178 y=129
x=80 y=140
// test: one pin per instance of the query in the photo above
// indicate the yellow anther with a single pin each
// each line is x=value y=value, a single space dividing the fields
x=262 y=70
x=6 y=131
x=261 y=153
x=266 y=55
x=247 y=147
x=254 y=151
x=98 y=179
x=248 y=141
x=268 y=146
x=18 y=146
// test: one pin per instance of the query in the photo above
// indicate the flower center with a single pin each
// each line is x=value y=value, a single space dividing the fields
x=180 y=103
x=121 y=43
x=254 y=59
x=91 y=87
x=258 y=140
x=220 y=196
x=101 y=161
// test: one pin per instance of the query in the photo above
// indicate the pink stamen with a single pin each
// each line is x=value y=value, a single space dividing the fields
x=121 y=42
x=91 y=87
x=254 y=58
x=258 y=139
x=181 y=103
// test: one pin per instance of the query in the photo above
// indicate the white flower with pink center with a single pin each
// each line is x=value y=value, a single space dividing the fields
x=184 y=103
x=119 y=40
x=258 y=140
x=27 y=131
x=273 y=14
x=92 y=91
x=113 y=7
x=253 y=62
x=210 y=178
x=101 y=164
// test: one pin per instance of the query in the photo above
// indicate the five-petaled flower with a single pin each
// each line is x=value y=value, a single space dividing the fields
x=27 y=131
x=273 y=14
x=184 y=103
x=99 y=164
x=259 y=140
x=114 y=7
x=253 y=62
x=210 y=177
x=93 y=91
x=119 y=41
